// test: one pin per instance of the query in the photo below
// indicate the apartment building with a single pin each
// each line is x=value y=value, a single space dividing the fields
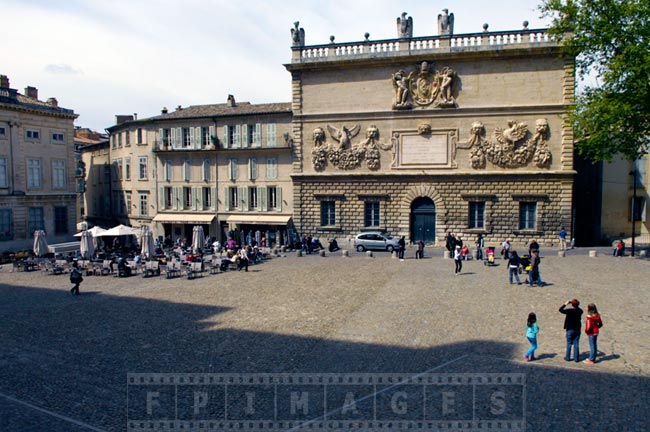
x=37 y=168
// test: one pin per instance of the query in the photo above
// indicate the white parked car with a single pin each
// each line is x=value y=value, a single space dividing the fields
x=375 y=240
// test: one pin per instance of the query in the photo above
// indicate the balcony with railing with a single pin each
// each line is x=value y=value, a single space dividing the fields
x=484 y=41
x=164 y=145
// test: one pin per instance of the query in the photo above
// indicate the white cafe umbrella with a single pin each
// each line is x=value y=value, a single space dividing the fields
x=95 y=231
x=40 y=244
x=119 y=230
x=147 y=244
x=87 y=245
x=198 y=238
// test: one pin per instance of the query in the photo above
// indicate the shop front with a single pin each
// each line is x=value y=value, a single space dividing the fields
x=262 y=230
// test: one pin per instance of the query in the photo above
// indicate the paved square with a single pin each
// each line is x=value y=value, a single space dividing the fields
x=64 y=359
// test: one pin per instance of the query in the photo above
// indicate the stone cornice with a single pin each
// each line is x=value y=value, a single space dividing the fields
x=38 y=110
x=431 y=177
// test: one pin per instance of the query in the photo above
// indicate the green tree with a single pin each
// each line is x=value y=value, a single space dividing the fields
x=610 y=40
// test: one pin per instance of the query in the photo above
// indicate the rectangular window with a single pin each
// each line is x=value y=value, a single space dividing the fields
x=33 y=134
x=144 y=211
x=207 y=198
x=168 y=170
x=327 y=213
x=187 y=197
x=33 y=173
x=639 y=166
x=58 y=174
x=232 y=169
x=476 y=214
x=250 y=135
x=4 y=179
x=206 y=170
x=371 y=214
x=3 y=133
x=271 y=168
x=142 y=165
x=252 y=169
x=187 y=170
x=128 y=203
x=35 y=221
x=119 y=140
x=127 y=138
x=139 y=136
x=186 y=137
x=527 y=212
x=638 y=209
x=233 y=198
x=270 y=135
x=58 y=138
x=127 y=168
x=273 y=198
x=205 y=137
x=119 y=168
x=167 y=191
x=6 y=224
x=60 y=220
x=252 y=198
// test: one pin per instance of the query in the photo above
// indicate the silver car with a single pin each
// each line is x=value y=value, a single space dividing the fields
x=375 y=240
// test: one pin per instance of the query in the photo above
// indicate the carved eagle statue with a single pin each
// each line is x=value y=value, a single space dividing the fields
x=344 y=135
x=404 y=26
x=513 y=133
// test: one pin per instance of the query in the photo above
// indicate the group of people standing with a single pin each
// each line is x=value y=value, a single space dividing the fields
x=572 y=326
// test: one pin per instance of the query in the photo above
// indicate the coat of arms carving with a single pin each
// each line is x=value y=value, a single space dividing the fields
x=424 y=88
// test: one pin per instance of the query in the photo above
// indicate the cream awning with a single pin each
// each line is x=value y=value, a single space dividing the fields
x=259 y=219
x=184 y=218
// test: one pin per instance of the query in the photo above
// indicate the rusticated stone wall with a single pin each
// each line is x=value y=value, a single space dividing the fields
x=451 y=195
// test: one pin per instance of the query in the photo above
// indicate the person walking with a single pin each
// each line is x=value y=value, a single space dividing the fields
x=505 y=249
x=533 y=275
x=531 y=333
x=402 y=248
x=76 y=278
x=479 y=247
x=572 y=324
x=458 y=260
x=592 y=327
x=514 y=262
x=562 y=236
x=419 y=253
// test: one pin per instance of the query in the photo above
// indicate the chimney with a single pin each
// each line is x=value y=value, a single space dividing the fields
x=231 y=101
x=163 y=110
x=119 y=119
x=178 y=108
x=135 y=116
x=31 y=92
x=52 y=102
x=4 y=81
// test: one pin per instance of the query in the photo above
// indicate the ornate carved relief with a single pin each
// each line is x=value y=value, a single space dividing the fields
x=346 y=155
x=511 y=149
x=424 y=88
x=424 y=129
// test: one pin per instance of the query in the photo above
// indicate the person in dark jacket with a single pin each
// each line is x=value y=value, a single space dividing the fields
x=572 y=325
x=402 y=248
x=513 y=266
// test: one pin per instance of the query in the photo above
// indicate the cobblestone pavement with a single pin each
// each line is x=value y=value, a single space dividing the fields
x=64 y=359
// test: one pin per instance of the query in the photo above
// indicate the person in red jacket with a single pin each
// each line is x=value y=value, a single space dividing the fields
x=594 y=323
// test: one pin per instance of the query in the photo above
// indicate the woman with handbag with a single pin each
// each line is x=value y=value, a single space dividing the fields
x=75 y=278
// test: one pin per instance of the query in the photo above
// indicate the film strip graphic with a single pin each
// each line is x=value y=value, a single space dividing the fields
x=326 y=402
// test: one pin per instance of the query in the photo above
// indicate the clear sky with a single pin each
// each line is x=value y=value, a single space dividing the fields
x=107 y=57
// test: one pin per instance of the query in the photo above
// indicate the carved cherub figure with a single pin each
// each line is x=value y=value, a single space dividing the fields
x=476 y=133
x=541 y=129
x=344 y=135
x=400 y=83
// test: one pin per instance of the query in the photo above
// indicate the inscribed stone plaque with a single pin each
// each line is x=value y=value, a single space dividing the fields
x=424 y=150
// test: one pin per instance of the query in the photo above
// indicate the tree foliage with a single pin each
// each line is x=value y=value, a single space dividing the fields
x=610 y=39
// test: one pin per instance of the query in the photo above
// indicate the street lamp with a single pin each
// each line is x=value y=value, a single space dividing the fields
x=634 y=173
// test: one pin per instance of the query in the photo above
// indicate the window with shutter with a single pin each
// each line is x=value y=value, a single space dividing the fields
x=226 y=137
x=211 y=133
x=257 y=136
x=252 y=169
x=270 y=135
x=161 y=198
x=244 y=136
x=237 y=138
x=232 y=169
x=191 y=143
x=271 y=168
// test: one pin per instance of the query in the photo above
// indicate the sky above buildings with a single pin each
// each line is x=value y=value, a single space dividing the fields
x=103 y=58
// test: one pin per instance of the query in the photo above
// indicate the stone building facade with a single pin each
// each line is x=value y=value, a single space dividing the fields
x=424 y=136
x=37 y=169
x=223 y=166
